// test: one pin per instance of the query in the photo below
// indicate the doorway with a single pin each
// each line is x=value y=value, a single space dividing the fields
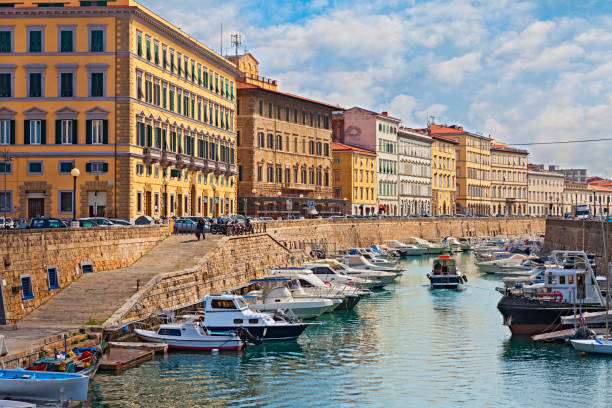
x=148 y=203
x=36 y=207
x=96 y=201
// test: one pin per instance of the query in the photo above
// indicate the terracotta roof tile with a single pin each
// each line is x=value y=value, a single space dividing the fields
x=337 y=146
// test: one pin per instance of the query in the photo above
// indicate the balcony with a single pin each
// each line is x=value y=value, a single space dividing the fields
x=211 y=166
x=198 y=163
x=232 y=170
x=168 y=158
x=182 y=161
x=151 y=155
x=221 y=168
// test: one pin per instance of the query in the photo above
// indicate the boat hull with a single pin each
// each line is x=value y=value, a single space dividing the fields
x=528 y=317
x=445 y=281
x=594 y=346
x=208 y=344
x=299 y=309
x=43 y=385
x=434 y=250
x=268 y=333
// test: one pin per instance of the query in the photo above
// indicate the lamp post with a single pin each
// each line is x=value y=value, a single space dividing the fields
x=75 y=173
x=165 y=182
x=7 y=159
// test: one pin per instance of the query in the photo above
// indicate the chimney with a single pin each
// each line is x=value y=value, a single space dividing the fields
x=385 y=113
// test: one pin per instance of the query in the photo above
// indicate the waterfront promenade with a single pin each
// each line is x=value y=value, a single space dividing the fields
x=91 y=299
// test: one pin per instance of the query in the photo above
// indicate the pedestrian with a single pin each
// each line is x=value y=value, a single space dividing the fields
x=200 y=228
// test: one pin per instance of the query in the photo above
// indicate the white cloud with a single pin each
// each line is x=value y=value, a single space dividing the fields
x=454 y=70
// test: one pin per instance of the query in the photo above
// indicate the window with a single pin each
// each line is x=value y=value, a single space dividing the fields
x=35 y=85
x=97 y=84
x=6 y=200
x=156 y=52
x=139 y=201
x=65 y=201
x=139 y=43
x=35 y=167
x=5 y=84
x=66 y=40
x=66 y=85
x=65 y=166
x=6 y=40
x=148 y=47
x=96 y=40
x=26 y=287
x=259 y=173
x=270 y=174
x=35 y=40
x=52 y=277
x=96 y=167
x=66 y=127
x=7 y=134
x=35 y=128
x=270 y=141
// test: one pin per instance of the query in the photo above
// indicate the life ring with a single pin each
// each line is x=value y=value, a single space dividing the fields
x=558 y=295
x=327 y=283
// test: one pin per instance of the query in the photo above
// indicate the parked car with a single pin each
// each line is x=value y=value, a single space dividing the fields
x=184 y=225
x=87 y=223
x=6 y=222
x=46 y=223
x=120 y=222
x=101 y=221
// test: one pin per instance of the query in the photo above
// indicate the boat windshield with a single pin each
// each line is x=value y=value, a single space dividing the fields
x=241 y=303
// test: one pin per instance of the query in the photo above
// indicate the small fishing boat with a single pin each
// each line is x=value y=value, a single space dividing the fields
x=445 y=274
x=594 y=345
x=430 y=247
x=191 y=335
x=405 y=249
x=43 y=385
x=515 y=263
x=83 y=361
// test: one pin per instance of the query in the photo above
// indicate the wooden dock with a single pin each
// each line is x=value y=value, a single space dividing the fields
x=560 y=335
x=156 y=347
x=118 y=359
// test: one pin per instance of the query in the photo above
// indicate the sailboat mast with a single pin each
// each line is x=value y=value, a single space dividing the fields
x=607 y=268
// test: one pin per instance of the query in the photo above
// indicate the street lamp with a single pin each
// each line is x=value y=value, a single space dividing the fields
x=75 y=173
x=165 y=182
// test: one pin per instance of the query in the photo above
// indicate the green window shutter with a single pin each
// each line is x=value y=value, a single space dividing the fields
x=26 y=132
x=88 y=131
x=58 y=131
x=149 y=135
x=12 y=132
x=43 y=132
x=105 y=167
x=105 y=131
x=88 y=167
x=75 y=132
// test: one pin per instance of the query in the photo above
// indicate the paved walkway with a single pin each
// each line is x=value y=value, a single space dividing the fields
x=94 y=297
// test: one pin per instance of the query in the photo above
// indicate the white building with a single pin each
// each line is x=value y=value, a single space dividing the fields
x=544 y=192
x=414 y=178
x=374 y=131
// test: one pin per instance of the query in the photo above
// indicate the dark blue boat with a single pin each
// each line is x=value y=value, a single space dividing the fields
x=445 y=275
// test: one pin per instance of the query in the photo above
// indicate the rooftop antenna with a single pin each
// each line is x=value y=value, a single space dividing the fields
x=236 y=41
x=433 y=120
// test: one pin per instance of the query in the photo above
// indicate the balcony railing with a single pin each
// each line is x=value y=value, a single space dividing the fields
x=168 y=158
x=152 y=155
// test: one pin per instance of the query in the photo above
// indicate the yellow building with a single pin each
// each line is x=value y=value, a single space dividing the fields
x=143 y=110
x=473 y=168
x=509 y=188
x=443 y=155
x=354 y=178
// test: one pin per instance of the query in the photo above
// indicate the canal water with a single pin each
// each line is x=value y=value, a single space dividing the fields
x=403 y=347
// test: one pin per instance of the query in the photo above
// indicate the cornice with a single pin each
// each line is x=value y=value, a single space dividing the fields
x=65 y=12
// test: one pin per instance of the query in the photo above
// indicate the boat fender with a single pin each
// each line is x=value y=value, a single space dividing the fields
x=558 y=295
x=428 y=276
x=246 y=336
x=464 y=277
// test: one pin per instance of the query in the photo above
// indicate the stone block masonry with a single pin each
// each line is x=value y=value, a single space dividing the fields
x=575 y=235
x=32 y=252
x=233 y=262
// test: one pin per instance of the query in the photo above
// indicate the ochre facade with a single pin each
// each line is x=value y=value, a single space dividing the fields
x=122 y=95
x=354 y=178
x=443 y=165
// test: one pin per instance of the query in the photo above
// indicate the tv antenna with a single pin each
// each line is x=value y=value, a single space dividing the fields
x=236 y=41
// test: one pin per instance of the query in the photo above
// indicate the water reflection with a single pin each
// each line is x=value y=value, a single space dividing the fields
x=406 y=346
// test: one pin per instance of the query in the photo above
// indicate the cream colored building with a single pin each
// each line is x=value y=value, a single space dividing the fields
x=508 y=180
x=544 y=192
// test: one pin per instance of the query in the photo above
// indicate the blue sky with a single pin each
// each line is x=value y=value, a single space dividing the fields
x=522 y=71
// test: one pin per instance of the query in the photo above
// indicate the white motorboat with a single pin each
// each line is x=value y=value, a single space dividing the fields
x=43 y=385
x=491 y=254
x=430 y=247
x=595 y=345
x=445 y=274
x=275 y=296
x=191 y=336
x=305 y=283
x=383 y=250
x=405 y=249
x=452 y=244
x=466 y=243
x=226 y=312
x=332 y=269
x=359 y=262
x=515 y=263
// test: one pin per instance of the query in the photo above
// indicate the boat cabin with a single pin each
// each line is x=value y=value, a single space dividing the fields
x=445 y=265
x=231 y=310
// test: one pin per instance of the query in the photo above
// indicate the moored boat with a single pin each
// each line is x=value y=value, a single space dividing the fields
x=43 y=385
x=536 y=309
x=191 y=336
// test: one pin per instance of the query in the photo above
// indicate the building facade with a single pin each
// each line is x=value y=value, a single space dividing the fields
x=374 y=131
x=145 y=112
x=473 y=169
x=414 y=179
x=508 y=180
x=443 y=167
x=354 y=178
x=571 y=175
x=544 y=192
x=575 y=194
x=284 y=149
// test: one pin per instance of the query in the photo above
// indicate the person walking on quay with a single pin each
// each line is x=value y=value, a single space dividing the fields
x=200 y=228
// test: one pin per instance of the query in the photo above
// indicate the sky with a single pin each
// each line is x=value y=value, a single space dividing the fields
x=520 y=71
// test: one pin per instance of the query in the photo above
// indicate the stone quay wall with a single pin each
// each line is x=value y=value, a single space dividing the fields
x=31 y=252
x=233 y=262
x=576 y=235
x=342 y=233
